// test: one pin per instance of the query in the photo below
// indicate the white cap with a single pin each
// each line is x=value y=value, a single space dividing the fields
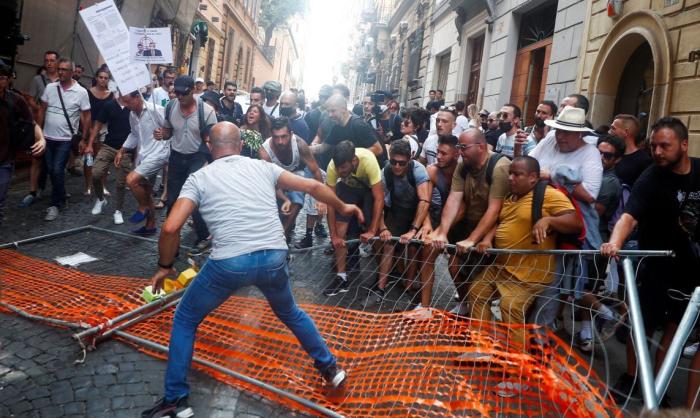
x=199 y=80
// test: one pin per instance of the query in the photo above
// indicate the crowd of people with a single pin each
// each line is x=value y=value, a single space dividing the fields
x=411 y=179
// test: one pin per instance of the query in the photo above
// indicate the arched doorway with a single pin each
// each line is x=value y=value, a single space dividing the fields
x=637 y=49
x=636 y=87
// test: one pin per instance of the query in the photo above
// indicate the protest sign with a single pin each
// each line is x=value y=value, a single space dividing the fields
x=150 y=45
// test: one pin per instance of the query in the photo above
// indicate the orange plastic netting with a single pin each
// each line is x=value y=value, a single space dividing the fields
x=399 y=364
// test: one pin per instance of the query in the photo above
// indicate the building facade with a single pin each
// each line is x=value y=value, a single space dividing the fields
x=642 y=59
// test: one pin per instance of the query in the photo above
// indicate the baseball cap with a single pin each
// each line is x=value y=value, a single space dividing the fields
x=183 y=85
x=272 y=85
x=199 y=80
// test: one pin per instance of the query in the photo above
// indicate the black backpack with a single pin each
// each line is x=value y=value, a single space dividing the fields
x=490 y=165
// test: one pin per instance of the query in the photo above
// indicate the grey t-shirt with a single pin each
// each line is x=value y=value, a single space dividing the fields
x=186 y=137
x=405 y=195
x=241 y=214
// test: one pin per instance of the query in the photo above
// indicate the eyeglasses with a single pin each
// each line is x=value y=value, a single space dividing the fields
x=463 y=147
x=607 y=155
x=397 y=162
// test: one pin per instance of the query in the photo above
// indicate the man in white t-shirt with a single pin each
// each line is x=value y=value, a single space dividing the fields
x=61 y=122
x=462 y=122
x=160 y=94
x=509 y=144
x=445 y=124
x=248 y=249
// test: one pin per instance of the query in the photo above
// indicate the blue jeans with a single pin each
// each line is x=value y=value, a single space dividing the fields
x=5 y=178
x=56 y=155
x=218 y=279
x=180 y=166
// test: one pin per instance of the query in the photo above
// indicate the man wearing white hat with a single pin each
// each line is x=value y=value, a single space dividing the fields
x=566 y=152
x=198 y=88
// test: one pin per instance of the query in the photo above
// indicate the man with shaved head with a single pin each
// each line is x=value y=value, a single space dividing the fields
x=248 y=249
x=353 y=128
x=289 y=108
x=636 y=159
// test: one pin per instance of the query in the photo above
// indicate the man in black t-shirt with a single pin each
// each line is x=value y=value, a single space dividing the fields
x=636 y=159
x=346 y=126
x=665 y=206
x=116 y=116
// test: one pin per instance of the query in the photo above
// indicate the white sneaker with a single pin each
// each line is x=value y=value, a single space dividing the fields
x=99 y=205
x=461 y=309
x=118 y=218
x=689 y=351
x=51 y=213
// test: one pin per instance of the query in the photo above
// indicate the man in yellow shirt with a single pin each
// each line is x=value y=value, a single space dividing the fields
x=354 y=176
x=518 y=278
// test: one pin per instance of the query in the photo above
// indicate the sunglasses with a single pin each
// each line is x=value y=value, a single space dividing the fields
x=182 y=93
x=397 y=162
x=607 y=155
x=464 y=146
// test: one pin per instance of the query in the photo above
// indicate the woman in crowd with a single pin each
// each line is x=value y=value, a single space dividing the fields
x=99 y=95
x=410 y=126
x=254 y=131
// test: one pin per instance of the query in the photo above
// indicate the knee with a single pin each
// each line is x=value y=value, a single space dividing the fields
x=132 y=180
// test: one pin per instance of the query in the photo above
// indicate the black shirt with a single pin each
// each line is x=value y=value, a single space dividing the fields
x=13 y=108
x=234 y=114
x=313 y=119
x=492 y=136
x=356 y=131
x=96 y=104
x=667 y=207
x=117 y=120
x=632 y=165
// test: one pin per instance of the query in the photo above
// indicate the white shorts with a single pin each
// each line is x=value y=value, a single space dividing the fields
x=310 y=202
x=150 y=165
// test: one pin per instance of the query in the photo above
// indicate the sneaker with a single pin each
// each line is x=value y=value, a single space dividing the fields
x=461 y=309
x=320 y=230
x=338 y=286
x=28 y=200
x=306 y=242
x=106 y=192
x=689 y=351
x=586 y=345
x=162 y=408
x=87 y=192
x=608 y=327
x=625 y=387
x=334 y=376
x=139 y=216
x=99 y=205
x=201 y=247
x=51 y=213
x=118 y=218
x=379 y=295
x=365 y=250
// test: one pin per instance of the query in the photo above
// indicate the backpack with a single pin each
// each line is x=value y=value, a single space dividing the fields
x=622 y=201
x=203 y=127
x=21 y=130
x=389 y=176
x=564 y=241
x=490 y=166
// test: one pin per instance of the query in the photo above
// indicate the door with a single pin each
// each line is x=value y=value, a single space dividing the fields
x=475 y=70
x=530 y=78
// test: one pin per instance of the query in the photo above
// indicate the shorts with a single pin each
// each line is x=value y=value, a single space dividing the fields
x=363 y=198
x=150 y=165
x=309 y=201
x=296 y=197
x=398 y=221
x=655 y=277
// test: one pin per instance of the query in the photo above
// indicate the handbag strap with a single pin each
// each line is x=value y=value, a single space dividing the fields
x=65 y=112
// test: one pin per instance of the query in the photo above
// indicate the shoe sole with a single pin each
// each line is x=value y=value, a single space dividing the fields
x=336 y=292
x=339 y=379
x=187 y=413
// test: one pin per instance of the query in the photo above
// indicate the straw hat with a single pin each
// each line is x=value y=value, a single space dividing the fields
x=570 y=119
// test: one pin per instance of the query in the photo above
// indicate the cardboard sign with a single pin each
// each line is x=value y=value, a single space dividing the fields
x=150 y=45
x=108 y=30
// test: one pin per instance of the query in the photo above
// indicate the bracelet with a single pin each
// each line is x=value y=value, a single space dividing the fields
x=165 y=266
x=413 y=227
x=383 y=229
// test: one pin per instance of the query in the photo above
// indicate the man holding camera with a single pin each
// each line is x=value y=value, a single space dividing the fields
x=65 y=106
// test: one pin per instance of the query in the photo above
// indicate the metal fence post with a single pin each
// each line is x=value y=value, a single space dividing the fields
x=685 y=327
x=651 y=402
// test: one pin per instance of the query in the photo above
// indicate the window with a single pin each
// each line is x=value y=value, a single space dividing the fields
x=210 y=58
x=203 y=7
x=229 y=52
x=415 y=45
x=443 y=68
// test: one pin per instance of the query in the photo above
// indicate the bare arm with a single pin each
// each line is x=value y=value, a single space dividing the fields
x=487 y=222
x=85 y=121
x=170 y=240
x=623 y=228
x=41 y=114
x=567 y=222
x=376 y=148
x=264 y=155
x=377 y=208
x=449 y=213
x=309 y=160
x=580 y=193
x=320 y=192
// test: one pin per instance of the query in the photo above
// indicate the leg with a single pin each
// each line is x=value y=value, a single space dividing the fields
x=177 y=174
x=273 y=281
x=5 y=178
x=35 y=173
x=124 y=169
x=288 y=220
x=87 y=171
x=411 y=252
x=341 y=229
x=57 y=153
x=516 y=298
x=427 y=274
x=385 y=262
x=197 y=161
x=212 y=286
x=482 y=292
x=140 y=188
x=103 y=160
